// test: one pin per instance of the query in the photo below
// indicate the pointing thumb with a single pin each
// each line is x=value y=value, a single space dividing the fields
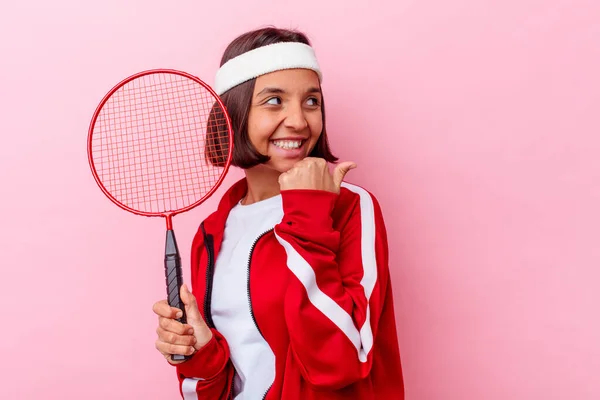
x=340 y=171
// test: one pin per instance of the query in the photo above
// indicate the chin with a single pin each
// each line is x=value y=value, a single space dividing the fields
x=276 y=166
x=282 y=166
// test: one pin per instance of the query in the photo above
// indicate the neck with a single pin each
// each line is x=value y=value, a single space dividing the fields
x=263 y=183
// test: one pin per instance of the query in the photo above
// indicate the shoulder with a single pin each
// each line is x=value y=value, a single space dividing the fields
x=354 y=201
x=358 y=215
x=215 y=221
x=356 y=195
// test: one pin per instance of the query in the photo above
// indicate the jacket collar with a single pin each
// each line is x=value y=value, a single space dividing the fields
x=215 y=223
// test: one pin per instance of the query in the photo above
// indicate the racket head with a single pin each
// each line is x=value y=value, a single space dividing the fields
x=145 y=120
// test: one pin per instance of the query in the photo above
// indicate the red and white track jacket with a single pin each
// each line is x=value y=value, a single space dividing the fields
x=320 y=294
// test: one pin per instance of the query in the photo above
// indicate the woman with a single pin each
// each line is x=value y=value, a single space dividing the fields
x=292 y=268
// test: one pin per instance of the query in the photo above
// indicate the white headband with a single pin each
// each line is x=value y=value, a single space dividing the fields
x=265 y=59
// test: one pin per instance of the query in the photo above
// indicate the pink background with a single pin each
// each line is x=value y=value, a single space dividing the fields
x=474 y=122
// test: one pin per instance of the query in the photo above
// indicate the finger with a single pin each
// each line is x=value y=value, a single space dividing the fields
x=302 y=162
x=283 y=177
x=168 y=349
x=173 y=338
x=186 y=296
x=340 y=171
x=174 y=326
x=307 y=162
x=191 y=305
x=320 y=161
x=163 y=309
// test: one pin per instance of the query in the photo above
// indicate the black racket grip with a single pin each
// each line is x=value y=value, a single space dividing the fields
x=174 y=280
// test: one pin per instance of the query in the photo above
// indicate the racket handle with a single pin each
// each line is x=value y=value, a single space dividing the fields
x=174 y=280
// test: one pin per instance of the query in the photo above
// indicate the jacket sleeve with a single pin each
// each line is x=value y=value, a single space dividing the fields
x=333 y=307
x=208 y=375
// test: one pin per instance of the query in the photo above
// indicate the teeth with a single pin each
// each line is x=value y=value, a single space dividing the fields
x=288 y=144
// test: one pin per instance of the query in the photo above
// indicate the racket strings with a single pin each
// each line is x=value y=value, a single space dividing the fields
x=150 y=146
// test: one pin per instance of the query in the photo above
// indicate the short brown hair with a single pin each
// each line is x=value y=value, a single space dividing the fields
x=238 y=99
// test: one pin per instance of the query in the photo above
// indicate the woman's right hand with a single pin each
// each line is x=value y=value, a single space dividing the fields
x=175 y=337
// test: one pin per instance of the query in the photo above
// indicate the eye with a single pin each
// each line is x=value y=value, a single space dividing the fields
x=313 y=101
x=274 y=101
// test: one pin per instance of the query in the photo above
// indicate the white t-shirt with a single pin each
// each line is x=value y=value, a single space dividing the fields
x=252 y=357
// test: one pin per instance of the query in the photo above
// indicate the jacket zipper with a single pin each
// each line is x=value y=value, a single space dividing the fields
x=210 y=250
x=249 y=297
x=209 y=245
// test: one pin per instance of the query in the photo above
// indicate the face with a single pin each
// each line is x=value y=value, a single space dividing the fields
x=285 y=119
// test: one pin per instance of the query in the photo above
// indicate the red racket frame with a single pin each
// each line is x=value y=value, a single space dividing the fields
x=171 y=214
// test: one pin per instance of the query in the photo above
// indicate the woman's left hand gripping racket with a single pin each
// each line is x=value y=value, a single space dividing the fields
x=159 y=144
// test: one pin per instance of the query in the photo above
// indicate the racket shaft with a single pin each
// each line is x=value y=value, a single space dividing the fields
x=174 y=280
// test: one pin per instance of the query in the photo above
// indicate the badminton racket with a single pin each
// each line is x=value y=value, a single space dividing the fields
x=159 y=144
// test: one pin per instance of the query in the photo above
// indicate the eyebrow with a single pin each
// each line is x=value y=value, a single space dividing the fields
x=271 y=90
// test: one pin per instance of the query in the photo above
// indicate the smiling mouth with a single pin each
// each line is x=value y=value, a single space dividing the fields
x=288 y=144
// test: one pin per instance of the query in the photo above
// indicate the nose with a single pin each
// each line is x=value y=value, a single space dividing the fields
x=295 y=118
